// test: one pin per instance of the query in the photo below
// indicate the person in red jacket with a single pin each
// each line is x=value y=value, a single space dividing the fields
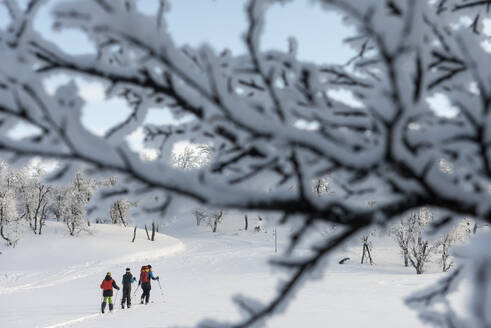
x=107 y=286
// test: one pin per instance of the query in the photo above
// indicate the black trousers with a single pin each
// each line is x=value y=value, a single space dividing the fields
x=126 y=296
x=146 y=292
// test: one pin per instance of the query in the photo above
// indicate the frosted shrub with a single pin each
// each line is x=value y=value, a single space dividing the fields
x=457 y=235
x=409 y=235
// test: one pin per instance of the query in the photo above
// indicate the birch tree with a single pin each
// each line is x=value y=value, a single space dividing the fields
x=457 y=235
x=11 y=224
x=34 y=197
x=119 y=211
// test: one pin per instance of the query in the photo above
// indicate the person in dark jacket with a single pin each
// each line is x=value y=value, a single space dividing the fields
x=107 y=286
x=128 y=279
x=145 y=275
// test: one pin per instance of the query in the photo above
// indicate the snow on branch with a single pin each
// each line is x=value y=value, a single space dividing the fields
x=269 y=121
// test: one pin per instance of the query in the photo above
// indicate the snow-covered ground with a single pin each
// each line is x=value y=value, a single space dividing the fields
x=53 y=281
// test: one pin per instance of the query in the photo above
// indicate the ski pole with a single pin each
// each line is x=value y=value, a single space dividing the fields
x=116 y=301
x=161 y=292
x=134 y=294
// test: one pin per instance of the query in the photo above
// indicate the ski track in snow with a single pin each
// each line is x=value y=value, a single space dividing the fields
x=70 y=322
x=100 y=316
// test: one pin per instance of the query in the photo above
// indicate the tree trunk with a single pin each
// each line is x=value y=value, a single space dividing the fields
x=134 y=235
x=246 y=222
x=275 y=240
x=42 y=219
x=369 y=254
x=9 y=242
x=121 y=214
x=146 y=230
x=153 y=231
x=215 y=224
x=366 y=250
x=363 y=254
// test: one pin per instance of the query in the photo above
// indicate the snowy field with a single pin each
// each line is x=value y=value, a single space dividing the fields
x=54 y=281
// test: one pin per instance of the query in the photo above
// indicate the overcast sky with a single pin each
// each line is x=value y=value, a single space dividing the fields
x=220 y=23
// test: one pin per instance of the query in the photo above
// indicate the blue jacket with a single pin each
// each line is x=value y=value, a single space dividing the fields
x=150 y=274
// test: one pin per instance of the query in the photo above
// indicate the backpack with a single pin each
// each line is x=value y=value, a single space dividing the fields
x=144 y=274
x=127 y=279
x=107 y=284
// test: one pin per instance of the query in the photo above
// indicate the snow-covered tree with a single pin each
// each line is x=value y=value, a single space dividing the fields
x=389 y=147
x=419 y=249
x=199 y=215
x=11 y=224
x=402 y=237
x=70 y=203
x=459 y=234
x=212 y=218
x=119 y=211
x=191 y=157
x=409 y=235
x=58 y=202
x=34 y=196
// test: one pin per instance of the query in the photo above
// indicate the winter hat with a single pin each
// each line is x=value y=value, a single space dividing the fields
x=149 y=266
x=128 y=270
x=108 y=274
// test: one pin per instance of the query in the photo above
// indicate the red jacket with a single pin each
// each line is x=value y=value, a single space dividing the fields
x=107 y=286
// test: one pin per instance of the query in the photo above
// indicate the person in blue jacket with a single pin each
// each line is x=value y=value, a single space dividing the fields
x=128 y=279
x=145 y=276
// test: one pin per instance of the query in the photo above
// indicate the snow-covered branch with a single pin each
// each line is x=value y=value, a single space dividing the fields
x=268 y=119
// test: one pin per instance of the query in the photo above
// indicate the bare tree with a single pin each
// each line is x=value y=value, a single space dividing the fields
x=419 y=249
x=366 y=248
x=215 y=219
x=119 y=211
x=34 y=197
x=459 y=234
x=199 y=215
x=402 y=236
x=212 y=218
x=247 y=107
x=10 y=220
x=365 y=239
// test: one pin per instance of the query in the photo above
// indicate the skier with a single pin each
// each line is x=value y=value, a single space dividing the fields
x=128 y=279
x=107 y=286
x=145 y=275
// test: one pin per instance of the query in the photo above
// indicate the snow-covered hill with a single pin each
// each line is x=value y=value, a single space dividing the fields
x=53 y=281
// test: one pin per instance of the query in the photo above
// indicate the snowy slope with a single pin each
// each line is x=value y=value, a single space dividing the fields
x=55 y=282
x=56 y=277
